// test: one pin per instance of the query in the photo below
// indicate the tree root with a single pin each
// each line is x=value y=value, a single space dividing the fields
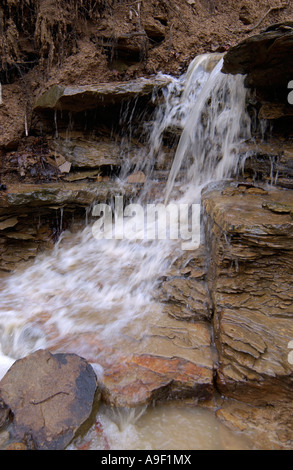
x=280 y=7
x=270 y=10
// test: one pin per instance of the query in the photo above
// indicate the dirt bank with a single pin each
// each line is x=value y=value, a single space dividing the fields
x=88 y=42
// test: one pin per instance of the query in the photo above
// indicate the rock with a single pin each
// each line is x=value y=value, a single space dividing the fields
x=50 y=397
x=4 y=439
x=190 y=296
x=4 y=414
x=278 y=208
x=81 y=175
x=154 y=30
x=245 y=15
x=16 y=446
x=250 y=277
x=65 y=167
x=83 y=194
x=265 y=58
x=259 y=191
x=167 y=360
x=8 y=223
x=19 y=236
x=184 y=289
x=138 y=177
x=82 y=98
x=270 y=161
x=268 y=427
x=82 y=153
x=273 y=111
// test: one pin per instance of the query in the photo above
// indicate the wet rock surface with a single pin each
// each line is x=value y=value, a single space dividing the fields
x=265 y=59
x=250 y=280
x=269 y=427
x=82 y=98
x=184 y=288
x=171 y=360
x=50 y=397
x=60 y=195
x=269 y=162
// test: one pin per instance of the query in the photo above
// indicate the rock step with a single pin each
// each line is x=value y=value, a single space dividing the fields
x=250 y=277
x=82 y=98
x=169 y=359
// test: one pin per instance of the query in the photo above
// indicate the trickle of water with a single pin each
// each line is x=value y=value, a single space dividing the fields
x=89 y=292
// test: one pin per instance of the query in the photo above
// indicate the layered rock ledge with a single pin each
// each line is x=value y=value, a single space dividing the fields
x=82 y=98
x=250 y=242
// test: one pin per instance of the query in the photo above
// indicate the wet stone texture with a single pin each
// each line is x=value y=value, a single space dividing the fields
x=250 y=280
x=171 y=360
x=268 y=427
x=50 y=397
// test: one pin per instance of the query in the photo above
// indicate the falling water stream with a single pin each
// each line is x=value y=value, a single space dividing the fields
x=95 y=297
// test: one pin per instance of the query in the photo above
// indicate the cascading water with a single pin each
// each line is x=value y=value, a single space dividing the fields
x=90 y=293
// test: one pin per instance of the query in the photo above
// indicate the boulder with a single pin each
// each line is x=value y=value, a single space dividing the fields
x=50 y=397
x=265 y=58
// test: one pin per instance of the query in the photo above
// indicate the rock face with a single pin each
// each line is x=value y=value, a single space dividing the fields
x=265 y=58
x=269 y=162
x=184 y=289
x=250 y=280
x=50 y=397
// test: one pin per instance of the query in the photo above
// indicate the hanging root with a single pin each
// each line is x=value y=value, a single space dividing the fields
x=276 y=8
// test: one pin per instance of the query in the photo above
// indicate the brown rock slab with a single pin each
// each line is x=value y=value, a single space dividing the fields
x=50 y=397
x=81 y=193
x=251 y=280
x=168 y=359
x=86 y=153
x=82 y=98
x=8 y=223
x=265 y=57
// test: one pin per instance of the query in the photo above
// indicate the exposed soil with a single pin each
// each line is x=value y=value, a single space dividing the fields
x=43 y=42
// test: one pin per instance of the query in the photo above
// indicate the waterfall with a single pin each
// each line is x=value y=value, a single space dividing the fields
x=87 y=287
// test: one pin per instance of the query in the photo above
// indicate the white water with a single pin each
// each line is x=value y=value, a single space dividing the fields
x=90 y=292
